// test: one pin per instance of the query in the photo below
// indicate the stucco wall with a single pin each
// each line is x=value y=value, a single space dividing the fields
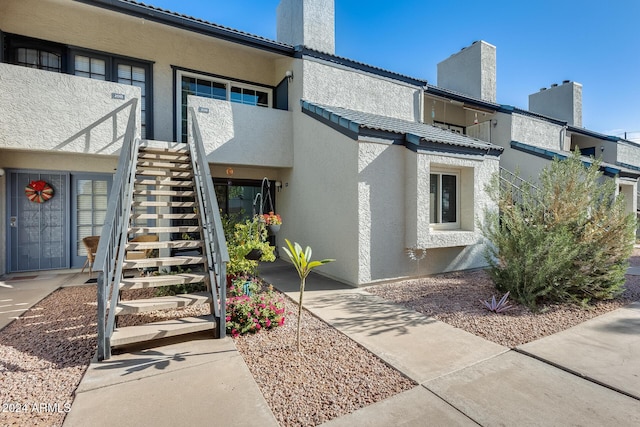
x=243 y=134
x=563 y=102
x=307 y=22
x=394 y=212
x=628 y=153
x=471 y=71
x=42 y=110
x=319 y=198
x=359 y=91
x=102 y=30
x=537 y=132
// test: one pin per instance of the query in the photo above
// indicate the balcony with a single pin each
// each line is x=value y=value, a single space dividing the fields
x=246 y=135
x=47 y=111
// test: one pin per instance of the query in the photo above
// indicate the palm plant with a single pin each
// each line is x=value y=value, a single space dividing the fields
x=303 y=264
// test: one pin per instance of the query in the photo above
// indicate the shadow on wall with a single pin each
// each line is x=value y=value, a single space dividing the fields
x=115 y=137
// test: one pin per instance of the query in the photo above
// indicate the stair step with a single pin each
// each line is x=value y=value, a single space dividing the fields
x=164 y=182
x=166 y=173
x=156 y=230
x=163 y=262
x=153 y=203
x=158 y=330
x=164 y=193
x=165 y=216
x=162 y=303
x=150 y=145
x=174 y=244
x=164 y=280
x=151 y=164
x=171 y=157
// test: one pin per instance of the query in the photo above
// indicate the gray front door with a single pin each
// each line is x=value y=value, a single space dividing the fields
x=38 y=232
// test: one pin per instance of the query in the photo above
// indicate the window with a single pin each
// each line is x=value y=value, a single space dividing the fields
x=91 y=209
x=93 y=68
x=444 y=200
x=41 y=59
x=216 y=88
x=34 y=53
x=115 y=69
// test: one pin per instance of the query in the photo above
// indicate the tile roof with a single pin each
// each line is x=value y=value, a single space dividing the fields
x=413 y=132
x=610 y=169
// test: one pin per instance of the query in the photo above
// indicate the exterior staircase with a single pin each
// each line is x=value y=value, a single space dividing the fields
x=164 y=174
x=163 y=216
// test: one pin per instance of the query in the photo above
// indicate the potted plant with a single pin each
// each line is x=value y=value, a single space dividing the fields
x=247 y=245
x=273 y=220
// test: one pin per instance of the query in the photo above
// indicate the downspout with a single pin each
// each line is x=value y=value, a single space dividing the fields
x=422 y=89
x=563 y=132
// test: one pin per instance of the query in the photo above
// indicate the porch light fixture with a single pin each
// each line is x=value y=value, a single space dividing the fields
x=1 y=172
x=229 y=171
x=289 y=75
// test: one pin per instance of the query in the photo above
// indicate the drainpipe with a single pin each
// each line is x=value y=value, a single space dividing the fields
x=563 y=132
x=421 y=107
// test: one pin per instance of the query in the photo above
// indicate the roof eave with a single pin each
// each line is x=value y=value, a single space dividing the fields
x=184 y=23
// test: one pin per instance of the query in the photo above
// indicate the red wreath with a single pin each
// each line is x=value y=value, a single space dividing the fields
x=38 y=191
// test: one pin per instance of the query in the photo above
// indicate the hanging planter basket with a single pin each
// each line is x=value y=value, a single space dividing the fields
x=254 y=255
x=274 y=228
x=38 y=191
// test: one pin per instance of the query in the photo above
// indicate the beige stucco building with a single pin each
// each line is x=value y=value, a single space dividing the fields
x=363 y=163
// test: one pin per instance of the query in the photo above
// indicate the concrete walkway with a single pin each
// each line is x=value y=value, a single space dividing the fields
x=586 y=375
x=20 y=292
x=466 y=380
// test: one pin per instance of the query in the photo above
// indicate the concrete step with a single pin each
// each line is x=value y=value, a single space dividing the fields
x=171 y=157
x=174 y=193
x=174 y=244
x=168 y=328
x=163 y=182
x=163 y=261
x=162 y=303
x=156 y=230
x=165 y=216
x=164 y=173
x=159 y=204
x=164 y=280
x=153 y=164
x=150 y=145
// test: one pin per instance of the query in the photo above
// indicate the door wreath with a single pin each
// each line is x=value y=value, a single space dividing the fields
x=38 y=191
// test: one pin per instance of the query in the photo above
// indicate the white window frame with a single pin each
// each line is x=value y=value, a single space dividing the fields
x=447 y=225
x=228 y=84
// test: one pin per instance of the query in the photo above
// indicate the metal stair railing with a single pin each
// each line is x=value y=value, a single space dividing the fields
x=214 y=241
x=110 y=255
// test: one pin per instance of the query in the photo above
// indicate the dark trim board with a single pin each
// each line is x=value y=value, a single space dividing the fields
x=191 y=24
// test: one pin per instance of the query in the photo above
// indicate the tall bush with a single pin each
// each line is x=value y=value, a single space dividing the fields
x=567 y=241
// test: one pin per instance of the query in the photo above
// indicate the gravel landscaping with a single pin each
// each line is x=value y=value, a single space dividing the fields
x=44 y=353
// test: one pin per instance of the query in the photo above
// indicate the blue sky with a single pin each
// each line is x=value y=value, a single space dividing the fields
x=539 y=42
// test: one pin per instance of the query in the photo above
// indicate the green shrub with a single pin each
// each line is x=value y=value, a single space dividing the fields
x=567 y=241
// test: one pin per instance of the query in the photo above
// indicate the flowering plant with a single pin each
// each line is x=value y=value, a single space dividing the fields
x=272 y=218
x=248 y=313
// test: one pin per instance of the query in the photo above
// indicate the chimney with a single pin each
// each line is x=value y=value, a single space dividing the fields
x=472 y=71
x=310 y=23
x=562 y=102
